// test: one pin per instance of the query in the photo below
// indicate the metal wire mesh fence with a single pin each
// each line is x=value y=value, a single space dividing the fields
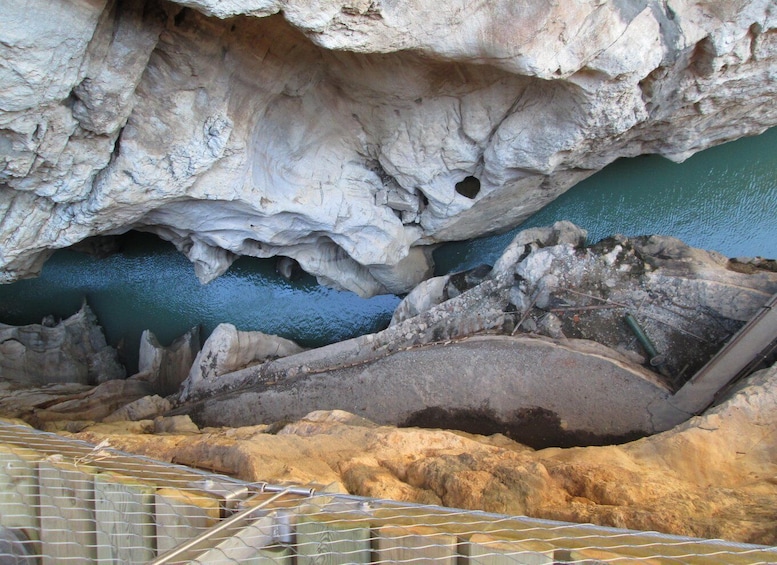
x=66 y=501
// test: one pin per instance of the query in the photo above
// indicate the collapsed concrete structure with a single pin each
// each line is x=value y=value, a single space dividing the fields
x=540 y=347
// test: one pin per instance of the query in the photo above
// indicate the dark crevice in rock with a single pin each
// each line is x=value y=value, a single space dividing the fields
x=702 y=61
x=180 y=17
x=465 y=280
x=753 y=33
x=99 y=246
x=536 y=427
x=648 y=87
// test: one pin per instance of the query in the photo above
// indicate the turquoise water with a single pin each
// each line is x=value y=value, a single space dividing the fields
x=149 y=285
x=723 y=199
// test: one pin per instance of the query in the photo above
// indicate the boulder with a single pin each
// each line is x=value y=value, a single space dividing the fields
x=227 y=350
x=423 y=297
x=146 y=408
x=175 y=425
x=351 y=137
x=688 y=301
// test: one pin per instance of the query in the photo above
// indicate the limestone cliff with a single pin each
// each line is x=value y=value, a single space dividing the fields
x=349 y=134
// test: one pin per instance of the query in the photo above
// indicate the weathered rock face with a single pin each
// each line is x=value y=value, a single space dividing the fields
x=166 y=368
x=227 y=350
x=69 y=351
x=711 y=477
x=349 y=135
x=50 y=406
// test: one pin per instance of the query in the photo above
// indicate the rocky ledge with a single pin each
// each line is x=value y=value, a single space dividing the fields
x=532 y=348
x=531 y=353
x=349 y=135
x=712 y=476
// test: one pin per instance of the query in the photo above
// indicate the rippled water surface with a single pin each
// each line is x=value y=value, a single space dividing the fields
x=723 y=199
x=150 y=285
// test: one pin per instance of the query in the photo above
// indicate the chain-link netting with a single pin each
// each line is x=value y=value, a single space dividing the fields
x=66 y=501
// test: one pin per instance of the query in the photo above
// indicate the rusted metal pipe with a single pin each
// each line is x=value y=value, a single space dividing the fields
x=655 y=358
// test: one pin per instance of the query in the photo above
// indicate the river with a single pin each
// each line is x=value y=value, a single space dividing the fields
x=724 y=199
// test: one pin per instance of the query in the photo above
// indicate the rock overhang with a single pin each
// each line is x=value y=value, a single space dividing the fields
x=337 y=136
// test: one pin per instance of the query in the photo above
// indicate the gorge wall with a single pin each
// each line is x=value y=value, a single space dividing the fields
x=349 y=135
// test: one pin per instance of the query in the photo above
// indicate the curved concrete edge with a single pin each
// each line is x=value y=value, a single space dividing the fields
x=515 y=383
x=466 y=314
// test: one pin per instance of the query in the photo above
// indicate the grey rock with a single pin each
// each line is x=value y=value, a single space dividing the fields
x=227 y=350
x=181 y=424
x=287 y=267
x=146 y=408
x=71 y=351
x=336 y=133
x=550 y=326
x=426 y=295
x=93 y=404
x=166 y=368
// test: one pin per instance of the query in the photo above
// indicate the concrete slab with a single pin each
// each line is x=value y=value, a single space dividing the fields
x=536 y=390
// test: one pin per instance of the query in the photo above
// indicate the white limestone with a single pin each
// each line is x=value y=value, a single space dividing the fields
x=228 y=349
x=335 y=132
x=72 y=350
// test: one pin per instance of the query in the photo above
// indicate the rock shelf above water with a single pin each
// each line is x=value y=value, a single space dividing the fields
x=543 y=333
x=534 y=347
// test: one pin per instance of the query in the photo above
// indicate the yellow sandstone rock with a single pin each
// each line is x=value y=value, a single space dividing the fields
x=714 y=476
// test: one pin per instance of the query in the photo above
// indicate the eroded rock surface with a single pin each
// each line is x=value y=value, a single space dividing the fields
x=550 y=299
x=349 y=135
x=711 y=477
x=227 y=350
x=73 y=350
x=533 y=350
x=71 y=406
x=166 y=368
